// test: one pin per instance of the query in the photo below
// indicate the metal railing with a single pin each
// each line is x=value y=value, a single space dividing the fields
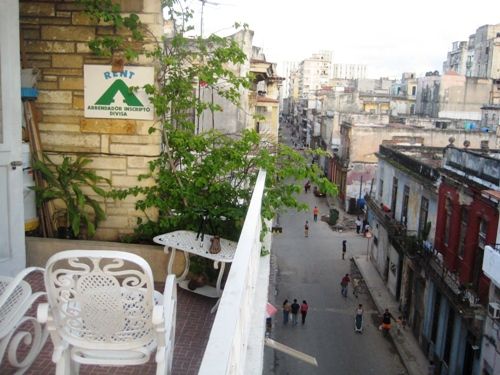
x=227 y=347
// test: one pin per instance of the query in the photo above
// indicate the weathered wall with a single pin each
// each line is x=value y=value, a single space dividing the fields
x=54 y=38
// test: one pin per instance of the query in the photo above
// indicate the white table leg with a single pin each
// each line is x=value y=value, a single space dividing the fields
x=219 y=278
x=171 y=262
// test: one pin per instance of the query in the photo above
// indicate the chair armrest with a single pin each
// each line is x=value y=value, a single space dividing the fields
x=158 y=317
x=42 y=313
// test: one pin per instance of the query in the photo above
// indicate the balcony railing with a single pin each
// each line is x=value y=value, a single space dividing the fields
x=236 y=343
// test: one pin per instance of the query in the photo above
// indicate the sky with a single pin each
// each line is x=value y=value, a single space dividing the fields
x=388 y=36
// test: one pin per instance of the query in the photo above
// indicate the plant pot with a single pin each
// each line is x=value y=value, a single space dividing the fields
x=65 y=233
x=215 y=245
x=197 y=281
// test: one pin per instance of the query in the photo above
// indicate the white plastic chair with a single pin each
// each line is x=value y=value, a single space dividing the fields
x=103 y=310
x=16 y=298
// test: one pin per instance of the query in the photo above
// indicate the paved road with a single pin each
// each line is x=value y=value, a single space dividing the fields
x=311 y=269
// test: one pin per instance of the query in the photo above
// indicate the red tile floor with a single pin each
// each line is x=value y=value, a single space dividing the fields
x=194 y=322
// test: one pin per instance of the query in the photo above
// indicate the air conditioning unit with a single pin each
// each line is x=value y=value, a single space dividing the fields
x=494 y=310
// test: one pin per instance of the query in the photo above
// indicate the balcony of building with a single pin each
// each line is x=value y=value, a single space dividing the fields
x=423 y=256
x=229 y=340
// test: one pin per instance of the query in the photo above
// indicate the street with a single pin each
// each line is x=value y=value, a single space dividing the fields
x=311 y=269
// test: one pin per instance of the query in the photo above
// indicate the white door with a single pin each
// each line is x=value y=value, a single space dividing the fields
x=12 y=249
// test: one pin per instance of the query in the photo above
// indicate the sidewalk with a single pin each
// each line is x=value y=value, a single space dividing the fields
x=404 y=341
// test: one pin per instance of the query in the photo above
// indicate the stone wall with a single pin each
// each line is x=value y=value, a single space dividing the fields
x=54 y=40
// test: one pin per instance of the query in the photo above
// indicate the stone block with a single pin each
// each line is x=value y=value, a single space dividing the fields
x=67 y=61
x=105 y=143
x=129 y=181
x=117 y=211
x=137 y=171
x=63 y=112
x=82 y=48
x=79 y=18
x=115 y=222
x=30 y=34
x=71 y=83
x=49 y=47
x=107 y=126
x=44 y=85
x=142 y=127
x=63 y=72
x=55 y=97
x=136 y=139
x=40 y=64
x=63 y=14
x=108 y=163
x=105 y=174
x=61 y=119
x=130 y=149
x=78 y=102
x=72 y=128
x=73 y=33
x=151 y=6
x=149 y=18
x=68 y=141
x=50 y=78
x=131 y=6
x=138 y=161
x=36 y=9
x=54 y=21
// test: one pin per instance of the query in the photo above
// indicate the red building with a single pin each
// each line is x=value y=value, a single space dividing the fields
x=467 y=219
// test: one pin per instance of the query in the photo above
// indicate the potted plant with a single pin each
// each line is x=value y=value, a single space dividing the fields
x=66 y=183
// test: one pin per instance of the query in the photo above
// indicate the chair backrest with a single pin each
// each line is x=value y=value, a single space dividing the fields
x=101 y=299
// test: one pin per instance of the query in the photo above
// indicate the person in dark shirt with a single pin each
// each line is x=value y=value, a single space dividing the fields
x=295 y=311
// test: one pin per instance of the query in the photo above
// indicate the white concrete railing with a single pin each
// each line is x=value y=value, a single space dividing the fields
x=239 y=308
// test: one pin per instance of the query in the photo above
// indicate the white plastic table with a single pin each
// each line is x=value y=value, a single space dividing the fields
x=186 y=241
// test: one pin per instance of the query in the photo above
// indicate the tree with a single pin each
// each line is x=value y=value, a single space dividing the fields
x=206 y=177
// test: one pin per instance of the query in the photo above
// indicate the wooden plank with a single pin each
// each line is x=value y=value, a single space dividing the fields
x=291 y=352
x=46 y=211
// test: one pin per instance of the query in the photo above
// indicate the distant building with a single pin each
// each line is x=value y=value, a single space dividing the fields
x=452 y=96
x=403 y=95
x=484 y=53
x=314 y=72
x=456 y=59
x=348 y=71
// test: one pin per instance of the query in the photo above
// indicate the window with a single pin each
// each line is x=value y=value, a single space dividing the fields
x=414 y=90
x=404 y=209
x=422 y=218
x=464 y=221
x=394 y=196
x=381 y=188
x=448 y=209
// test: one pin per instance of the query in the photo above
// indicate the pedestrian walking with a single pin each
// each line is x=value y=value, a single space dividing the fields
x=295 y=310
x=344 y=248
x=306 y=229
x=315 y=213
x=358 y=319
x=358 y=225
x=307 y=186
x=286 y=311
x=355 y=287
x=303 y=310
x=385 y=327
x=344 y=283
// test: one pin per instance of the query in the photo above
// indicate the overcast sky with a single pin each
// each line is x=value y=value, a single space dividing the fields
x=389 y=36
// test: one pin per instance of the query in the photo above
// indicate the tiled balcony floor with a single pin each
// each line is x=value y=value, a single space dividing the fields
x=194 y=322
